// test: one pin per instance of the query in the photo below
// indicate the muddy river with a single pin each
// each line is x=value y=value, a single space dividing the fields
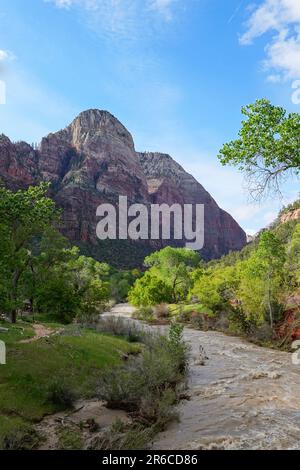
x=243 y=397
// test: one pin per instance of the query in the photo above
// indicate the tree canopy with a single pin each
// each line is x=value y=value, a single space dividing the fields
x=268 y=147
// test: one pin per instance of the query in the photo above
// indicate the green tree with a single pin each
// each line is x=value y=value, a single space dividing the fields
x=71 y=286
x=262 y=277
x=25 y=216
x=293 y=259
x=174 y=266
x=215 y=286
x=121 y=282
x=268 y=147
x=150 y=290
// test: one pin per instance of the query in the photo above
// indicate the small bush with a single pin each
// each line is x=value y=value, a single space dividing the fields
x=144 y=314
x=119 y=326
x=139 y=385
x=70 y=439
x=19 y=436
x=222 y=322
x=263 y=333
x=238 y=323
x=123 y=436
x=61 y=395
x=161 y=311
x=197 y=321
x=184 y=315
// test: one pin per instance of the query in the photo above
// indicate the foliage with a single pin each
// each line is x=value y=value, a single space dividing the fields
x=268 y=146
x=24 y=215
x=174 y=267
x=262 y=278
x=169 y=278
x=142 y=385
x=144 y=313
x=176 y=334
x=215 y=286
x=36 y=265
x=55 y=366
x=16 y=434
x=61 y=394
x=293 y=259
x=161 y=311
x=121 y=283
x=122 y=436
x=150 y=290
x=70 y=439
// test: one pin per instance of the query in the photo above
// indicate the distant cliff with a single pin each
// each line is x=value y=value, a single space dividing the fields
x=93 y=161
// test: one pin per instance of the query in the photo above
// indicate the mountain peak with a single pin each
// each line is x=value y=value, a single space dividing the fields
x=93 y=161
x=94 y=123
x=94 y=116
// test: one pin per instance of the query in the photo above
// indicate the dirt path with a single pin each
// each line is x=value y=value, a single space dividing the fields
x=244 y=397
x=40 y=331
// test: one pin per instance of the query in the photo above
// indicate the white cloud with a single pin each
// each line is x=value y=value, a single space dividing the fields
x=282 y=18
x=120 y=17
x=4 y=55
x=251 y=232
x=62 y=3
x=163 y=7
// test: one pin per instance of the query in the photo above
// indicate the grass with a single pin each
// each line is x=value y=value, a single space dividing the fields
x=16 y=333
x=74 y=359
x=15 y=433
x=70 y=439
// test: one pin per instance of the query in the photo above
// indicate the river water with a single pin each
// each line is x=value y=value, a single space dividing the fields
x=243 y=397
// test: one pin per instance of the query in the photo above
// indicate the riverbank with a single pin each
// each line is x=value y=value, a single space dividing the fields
x=47 y=374
x=240 y=396
x=112 y=385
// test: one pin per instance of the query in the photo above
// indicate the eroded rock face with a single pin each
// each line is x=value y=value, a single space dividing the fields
x=290 y=216
x=168 y=182
x=18 y=163
x=93 y=161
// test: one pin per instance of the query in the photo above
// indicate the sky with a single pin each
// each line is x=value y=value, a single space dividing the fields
x=175 y=72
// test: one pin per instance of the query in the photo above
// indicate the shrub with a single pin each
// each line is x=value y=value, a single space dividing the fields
x=119 y=326
x=140 y=385
x=197 y=321
x=70 y=439
x=124 y=436
x=239 y=323
x=263 y=334
x=20 y=436
x=149 y=290
x=61 y=395
x=145 y=314
x=161 y=311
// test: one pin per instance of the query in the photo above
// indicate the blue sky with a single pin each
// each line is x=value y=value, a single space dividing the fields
x=175 y=72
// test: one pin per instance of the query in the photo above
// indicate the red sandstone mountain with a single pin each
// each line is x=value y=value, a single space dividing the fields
x=93 y=161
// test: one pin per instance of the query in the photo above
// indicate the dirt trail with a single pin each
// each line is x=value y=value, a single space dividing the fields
x=40 y=331
x=244 y=397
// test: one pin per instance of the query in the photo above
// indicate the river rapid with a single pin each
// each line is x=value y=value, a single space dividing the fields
x=241 y=397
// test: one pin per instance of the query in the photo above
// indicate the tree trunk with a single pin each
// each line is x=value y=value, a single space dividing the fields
x=13 y=316
x=14 y=313
x=269 y=301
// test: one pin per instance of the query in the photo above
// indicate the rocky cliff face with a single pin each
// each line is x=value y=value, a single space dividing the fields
x=289 y=216
x=93 y=161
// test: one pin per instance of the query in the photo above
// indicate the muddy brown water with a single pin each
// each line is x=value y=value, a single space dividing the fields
x=243 y=397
